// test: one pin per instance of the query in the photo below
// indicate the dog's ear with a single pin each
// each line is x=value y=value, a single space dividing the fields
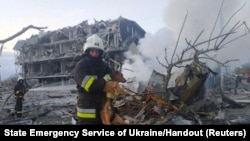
x=116 y=72
x=118 y=76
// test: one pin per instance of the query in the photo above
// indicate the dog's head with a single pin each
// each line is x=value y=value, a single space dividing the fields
x=118 y=76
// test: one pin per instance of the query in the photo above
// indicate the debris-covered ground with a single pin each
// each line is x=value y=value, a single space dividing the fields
x=56 y=106
x=42 y=106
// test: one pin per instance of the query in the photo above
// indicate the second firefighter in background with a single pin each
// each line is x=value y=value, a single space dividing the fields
x=19 y=92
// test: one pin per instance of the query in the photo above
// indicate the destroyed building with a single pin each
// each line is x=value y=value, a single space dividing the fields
x=51 y=56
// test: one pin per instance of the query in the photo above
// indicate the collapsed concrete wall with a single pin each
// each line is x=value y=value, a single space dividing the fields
x=50 y=57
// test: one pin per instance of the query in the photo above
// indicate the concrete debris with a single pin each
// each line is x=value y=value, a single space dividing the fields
x=45 y=107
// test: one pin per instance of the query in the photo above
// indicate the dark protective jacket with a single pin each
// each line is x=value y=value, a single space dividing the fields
x=89 y=75
x=19 y=90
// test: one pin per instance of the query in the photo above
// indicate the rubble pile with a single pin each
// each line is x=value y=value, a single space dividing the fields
x=56 y=106
x=48 y=107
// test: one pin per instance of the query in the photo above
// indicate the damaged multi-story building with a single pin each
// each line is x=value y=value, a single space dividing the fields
x=50 y=57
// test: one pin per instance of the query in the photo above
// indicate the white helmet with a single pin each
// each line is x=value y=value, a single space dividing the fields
x=94 y=41
x=19 y=78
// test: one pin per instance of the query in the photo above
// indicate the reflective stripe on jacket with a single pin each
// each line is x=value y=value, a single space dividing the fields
x=90 y=84
x=86 y=113
x=87 y=82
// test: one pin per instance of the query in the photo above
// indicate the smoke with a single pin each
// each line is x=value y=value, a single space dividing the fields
x=201 y=15
x=150 y=47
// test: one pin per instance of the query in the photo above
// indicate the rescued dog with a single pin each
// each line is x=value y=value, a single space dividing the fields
x=108 y=114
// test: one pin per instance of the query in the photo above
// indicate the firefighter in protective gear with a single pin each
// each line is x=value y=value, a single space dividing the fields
x=19 y=91
x=91 y=75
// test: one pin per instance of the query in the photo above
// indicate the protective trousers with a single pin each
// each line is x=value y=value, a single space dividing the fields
x=19 y=107
x=89 y=122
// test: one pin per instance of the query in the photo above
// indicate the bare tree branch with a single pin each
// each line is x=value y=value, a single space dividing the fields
x=195 y=53
x=230 y=20
x=218 y=62
x=179 y=37
x=18 y=34
x=216 y=21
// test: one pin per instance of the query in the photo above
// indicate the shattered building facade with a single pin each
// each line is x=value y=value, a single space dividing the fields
x=50 y=57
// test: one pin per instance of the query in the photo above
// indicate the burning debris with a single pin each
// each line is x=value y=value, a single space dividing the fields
x=190 y=103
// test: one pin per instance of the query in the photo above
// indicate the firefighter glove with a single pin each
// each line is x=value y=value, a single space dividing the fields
x=107 y=77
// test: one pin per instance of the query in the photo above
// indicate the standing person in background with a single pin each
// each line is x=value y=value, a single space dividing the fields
x=19 y=92
x=92 y=75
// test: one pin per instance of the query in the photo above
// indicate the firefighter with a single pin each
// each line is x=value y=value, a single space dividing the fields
x=19 y=92
x=91 y=76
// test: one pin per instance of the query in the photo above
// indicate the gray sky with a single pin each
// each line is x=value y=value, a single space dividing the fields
x=56 y=14
x=161 y=19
